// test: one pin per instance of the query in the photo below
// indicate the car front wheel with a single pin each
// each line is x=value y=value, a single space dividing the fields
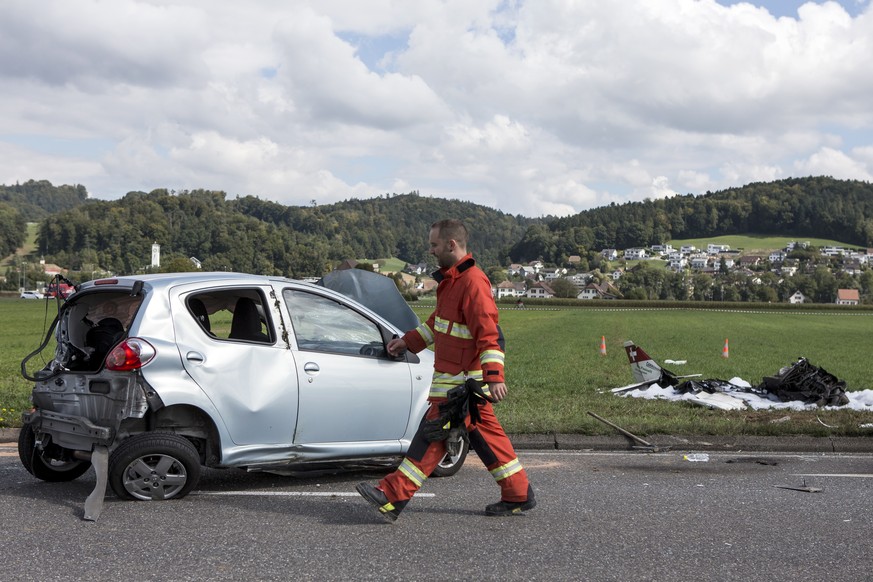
x=451 y=464
x=154 y=467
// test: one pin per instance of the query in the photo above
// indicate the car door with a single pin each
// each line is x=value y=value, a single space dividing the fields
x=228 y=345
x=350 y=389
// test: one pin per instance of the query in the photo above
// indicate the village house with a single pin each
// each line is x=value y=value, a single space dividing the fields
x=788 y=270
x=528 y=272
x=580 y=279
x=687 y=249
x=832 y=251
x=604 y=290
x=552 y=274
x=664 y=249
x=635 y=254
x=51 y=269
x=418 y=269
x=609 y=254
x=749 y=261
x=852 y=267
x=777 y=256
x=591 y=291
x=797 y=297
x=540 y=290
x=699 y=263
x=848 y=297
x=509 y=289
x=714 y=249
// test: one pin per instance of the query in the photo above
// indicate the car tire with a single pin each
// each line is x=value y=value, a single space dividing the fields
x=43 y=467
x=154 y=467
x=451 y=464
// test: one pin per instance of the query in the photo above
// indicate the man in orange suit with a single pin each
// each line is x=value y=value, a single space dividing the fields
x=463 y=331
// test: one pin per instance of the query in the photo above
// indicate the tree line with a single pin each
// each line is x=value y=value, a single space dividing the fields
x=815 y=207
x=253 y=235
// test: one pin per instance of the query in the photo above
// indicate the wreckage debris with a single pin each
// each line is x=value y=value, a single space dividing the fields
x=808 y=383
x=696 y=457
x=801 y=381
x=804 y=488
x=643 y=445
x=798 y=385
x=756 y=460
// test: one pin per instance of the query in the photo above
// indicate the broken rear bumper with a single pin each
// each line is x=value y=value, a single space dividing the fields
x=68 y=431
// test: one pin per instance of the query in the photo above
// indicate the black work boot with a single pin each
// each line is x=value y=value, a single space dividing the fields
x=390 y=511
x=512 y=507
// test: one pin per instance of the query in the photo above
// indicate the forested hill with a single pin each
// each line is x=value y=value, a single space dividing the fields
x=817 y=207
x=35 y=200
x=252 y=235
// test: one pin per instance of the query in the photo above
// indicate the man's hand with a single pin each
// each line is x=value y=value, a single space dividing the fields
x=498 y=390
x=396 y=347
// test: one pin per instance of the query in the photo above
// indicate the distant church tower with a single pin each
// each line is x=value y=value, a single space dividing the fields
x=156 y=255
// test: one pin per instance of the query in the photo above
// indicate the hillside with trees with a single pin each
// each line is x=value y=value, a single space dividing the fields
x=252 y=235
x=817 y=207
x=36 y=200
x=13 y=229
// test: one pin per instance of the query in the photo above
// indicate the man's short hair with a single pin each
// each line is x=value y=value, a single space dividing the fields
x=452 y=229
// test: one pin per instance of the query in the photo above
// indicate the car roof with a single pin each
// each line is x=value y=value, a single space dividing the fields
x=164 y=280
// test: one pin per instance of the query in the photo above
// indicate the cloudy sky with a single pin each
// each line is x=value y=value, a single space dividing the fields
x=532 y=107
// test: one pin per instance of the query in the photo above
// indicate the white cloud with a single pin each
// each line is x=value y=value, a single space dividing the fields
x=21 y=164
x=533 y=107
x=834 y=163
x=661 y=188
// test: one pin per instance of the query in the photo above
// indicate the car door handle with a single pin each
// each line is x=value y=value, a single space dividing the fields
x=311 y=368
x=195 y=357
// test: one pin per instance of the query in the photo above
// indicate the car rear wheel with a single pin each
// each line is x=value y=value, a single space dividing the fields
x=451 y=464
x=154 y=467
x=52 y=464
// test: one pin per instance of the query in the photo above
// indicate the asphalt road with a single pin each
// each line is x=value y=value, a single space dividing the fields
x=600 y=516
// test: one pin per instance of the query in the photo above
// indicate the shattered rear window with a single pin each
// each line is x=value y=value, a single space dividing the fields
x=91 y=324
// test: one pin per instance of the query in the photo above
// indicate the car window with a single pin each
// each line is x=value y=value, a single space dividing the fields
x=231 y=314
x=324 y=325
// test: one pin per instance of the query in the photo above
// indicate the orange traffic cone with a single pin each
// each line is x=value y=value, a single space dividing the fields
x=602 y=345
x=724 y=350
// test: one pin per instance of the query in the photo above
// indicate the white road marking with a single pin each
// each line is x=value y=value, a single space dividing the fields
x=293 y=493
x=854 y=475
x=679 y=450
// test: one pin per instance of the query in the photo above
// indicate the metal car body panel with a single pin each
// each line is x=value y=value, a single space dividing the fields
x=251 y=385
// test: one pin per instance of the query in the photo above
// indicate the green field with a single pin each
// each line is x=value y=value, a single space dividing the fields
x=555 y=372
x=752 y=244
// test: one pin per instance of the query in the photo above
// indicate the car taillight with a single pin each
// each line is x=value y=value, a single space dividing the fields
x=131 y=354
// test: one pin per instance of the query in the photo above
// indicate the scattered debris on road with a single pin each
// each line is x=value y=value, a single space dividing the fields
x=645 y=445
x=804 y=488
x=758 y=460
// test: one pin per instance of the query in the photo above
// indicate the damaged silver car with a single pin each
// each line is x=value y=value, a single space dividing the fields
x=163 y=374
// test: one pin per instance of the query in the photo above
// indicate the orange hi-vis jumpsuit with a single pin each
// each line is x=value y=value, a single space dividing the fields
x=463 y=331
